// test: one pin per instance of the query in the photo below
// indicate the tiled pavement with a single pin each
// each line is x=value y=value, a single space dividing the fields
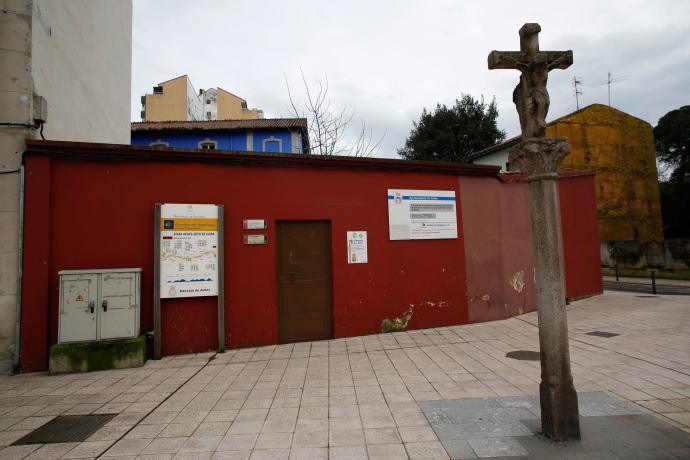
x=364 y=396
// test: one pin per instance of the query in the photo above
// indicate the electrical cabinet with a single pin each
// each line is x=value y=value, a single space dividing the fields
x=99 y=304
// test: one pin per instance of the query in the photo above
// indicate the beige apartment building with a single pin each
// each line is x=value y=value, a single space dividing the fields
x=177 y=100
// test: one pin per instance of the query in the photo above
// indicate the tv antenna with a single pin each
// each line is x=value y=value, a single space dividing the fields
x=577 y=81
x=609 y=81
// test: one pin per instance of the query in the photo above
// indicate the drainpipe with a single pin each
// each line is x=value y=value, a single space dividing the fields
x=20 y=253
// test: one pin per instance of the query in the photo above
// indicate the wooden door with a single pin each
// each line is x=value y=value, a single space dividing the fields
x=304 y=281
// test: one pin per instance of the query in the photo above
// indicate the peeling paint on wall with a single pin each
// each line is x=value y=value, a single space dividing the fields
x=517 y=282
x=397 y=324
x=400 y=323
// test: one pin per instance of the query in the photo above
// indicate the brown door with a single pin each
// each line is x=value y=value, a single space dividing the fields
x=304 y=281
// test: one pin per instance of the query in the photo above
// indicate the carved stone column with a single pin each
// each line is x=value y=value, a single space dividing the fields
x=538 y=159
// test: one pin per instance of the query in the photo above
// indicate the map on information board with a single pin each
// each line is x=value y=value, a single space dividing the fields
x=421 y=214
x=188 y=250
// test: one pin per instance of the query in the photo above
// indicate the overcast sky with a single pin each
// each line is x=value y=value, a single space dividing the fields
x=387 y=60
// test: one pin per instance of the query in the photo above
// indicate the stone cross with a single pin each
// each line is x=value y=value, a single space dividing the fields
x=538 y=158
x=530 y=95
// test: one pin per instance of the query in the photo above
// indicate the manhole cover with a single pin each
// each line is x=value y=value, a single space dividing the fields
x=523 y=355
x=66 y=428
x=602 y=334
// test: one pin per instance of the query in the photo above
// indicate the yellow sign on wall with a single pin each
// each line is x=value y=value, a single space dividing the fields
x=189 y=225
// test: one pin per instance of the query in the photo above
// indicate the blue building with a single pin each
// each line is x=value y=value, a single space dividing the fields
x=277 y=135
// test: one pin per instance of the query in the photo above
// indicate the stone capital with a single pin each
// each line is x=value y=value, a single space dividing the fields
x=539 y=157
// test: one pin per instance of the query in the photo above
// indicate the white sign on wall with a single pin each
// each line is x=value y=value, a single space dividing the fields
x=422 y=214
x=188 y=250
x=357 y=247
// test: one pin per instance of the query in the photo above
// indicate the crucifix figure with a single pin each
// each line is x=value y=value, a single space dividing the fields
x=530 y=95
x=539 y=157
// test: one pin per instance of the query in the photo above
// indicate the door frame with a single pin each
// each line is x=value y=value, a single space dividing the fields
x=279 y=306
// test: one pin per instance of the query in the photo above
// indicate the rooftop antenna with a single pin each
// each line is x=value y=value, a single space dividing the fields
x=576 y=82
x=608 y=82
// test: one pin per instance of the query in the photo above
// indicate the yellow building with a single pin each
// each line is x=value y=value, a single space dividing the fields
x=619 y=148
x=177 y=100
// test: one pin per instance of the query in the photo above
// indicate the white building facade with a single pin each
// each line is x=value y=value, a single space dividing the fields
x=69 y=66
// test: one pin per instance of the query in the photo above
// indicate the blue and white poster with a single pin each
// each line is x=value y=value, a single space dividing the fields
x=422 y=214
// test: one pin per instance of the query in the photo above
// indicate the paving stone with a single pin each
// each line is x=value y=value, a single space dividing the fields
x=458 y=449
x=238 y=442
x=88 y=449
x=426 y=451
x=230 y=455
x=382 y=436
x=164 y=446
x=497 y=447
x=387 y=452
x=309 y=453
x=645 y=454
x=51 y=451
x=270 y=454
x=345 y=438
x=127 y=447
x=410 y=419
x=310 y=439
x=17 y=452
x=175 y=430
x=680 y=417
x=481 y=430
x=347 y=453
x=308 y=424
x=417 y=434
x=206 y=444
x=274 y=441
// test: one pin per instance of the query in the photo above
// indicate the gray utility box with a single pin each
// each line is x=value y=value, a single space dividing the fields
x=99 y=304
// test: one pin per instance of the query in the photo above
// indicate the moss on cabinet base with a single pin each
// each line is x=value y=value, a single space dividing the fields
x=67 y=358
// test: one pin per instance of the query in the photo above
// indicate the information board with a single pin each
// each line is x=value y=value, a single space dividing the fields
x=188 y=250
x=357 y=247
x=422 y=214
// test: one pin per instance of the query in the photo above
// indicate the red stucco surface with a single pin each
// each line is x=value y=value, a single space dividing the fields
x=97 y=212
x=579 y=229
x=500 y=267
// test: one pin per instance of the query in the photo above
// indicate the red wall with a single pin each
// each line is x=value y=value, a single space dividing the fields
x=580 y=235
x=498 y=248
x=87 y=213
x=96 y=211
x=499 y=243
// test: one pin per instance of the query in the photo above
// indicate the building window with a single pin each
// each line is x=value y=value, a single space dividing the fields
x=159 y=143
x=208 y=101
x=208 y=144
x=208 y=115
x=272 y=144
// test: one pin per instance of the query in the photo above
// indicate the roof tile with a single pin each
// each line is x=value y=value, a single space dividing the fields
x=212 y=125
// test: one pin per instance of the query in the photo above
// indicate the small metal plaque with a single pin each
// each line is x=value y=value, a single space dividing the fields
x=602 y=334
x=255 y=239
x=66 y=428
x=523 y=355
x=255 y=224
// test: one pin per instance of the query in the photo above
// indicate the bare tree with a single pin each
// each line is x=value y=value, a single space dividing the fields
x=328 y=127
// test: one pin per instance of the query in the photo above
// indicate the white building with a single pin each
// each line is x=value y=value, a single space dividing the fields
x=66 y=75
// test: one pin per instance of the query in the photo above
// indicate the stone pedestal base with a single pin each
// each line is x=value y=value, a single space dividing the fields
x=560 y=419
